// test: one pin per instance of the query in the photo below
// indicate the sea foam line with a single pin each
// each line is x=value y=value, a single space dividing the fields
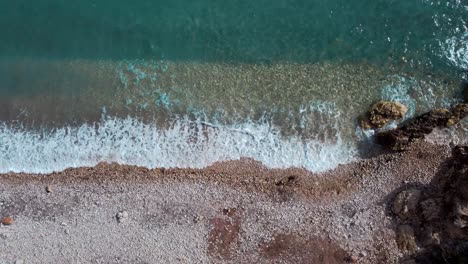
x=185 y=143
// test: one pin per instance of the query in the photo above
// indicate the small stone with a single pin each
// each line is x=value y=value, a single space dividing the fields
x=8 y=220
x=48 y=189
x=229 y=211
x=406 y=203
x=19 y=261
x=363 y=254
x=122 y=216
x=197 y=218
x=405 y=238
x=351 y=258
x=64 y=224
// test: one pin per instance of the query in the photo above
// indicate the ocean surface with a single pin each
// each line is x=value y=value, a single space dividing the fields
x=188 y=83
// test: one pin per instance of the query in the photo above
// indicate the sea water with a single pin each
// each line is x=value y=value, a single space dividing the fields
x=188 y=83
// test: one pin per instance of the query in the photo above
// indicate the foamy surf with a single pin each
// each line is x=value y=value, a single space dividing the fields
x=185 y=143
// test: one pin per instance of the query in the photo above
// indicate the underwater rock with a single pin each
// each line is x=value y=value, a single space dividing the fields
x=381 y=113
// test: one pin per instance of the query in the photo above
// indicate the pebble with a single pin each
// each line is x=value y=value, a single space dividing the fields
x=48 y=189
x=122 y=216
x=8 y=220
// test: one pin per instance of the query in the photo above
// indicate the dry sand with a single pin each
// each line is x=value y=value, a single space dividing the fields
x=230 y=212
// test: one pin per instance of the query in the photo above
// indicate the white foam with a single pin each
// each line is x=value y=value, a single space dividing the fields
x=455 y=49
x=185 y=143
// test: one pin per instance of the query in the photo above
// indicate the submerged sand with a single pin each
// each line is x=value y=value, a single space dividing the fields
x=230 y=212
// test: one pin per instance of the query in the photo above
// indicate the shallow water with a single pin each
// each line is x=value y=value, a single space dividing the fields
x=185 y=84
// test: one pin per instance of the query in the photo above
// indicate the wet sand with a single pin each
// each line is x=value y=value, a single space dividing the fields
x=230 y=212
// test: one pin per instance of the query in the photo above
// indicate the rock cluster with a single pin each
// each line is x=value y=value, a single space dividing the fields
x=435 y=217
x=400 y=138
x=381 y=113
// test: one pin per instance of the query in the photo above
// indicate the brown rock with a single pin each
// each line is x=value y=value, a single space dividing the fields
x=459 y=112
x=406 y=203
x=8 y=220
x=400 y=138
x=405 y=238
x=382 y=112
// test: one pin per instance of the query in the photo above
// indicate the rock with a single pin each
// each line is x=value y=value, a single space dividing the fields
x=406 y=203
x=417 y=128
x=48 y=189
x=431 y=209
x=459 y=112
x=122 y=216
x=405 y=238
x=382 y=112
x=460 y=212
x=8 y=220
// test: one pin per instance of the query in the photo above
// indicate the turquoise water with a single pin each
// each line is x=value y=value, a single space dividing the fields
x=268 y=31
x=187 y=83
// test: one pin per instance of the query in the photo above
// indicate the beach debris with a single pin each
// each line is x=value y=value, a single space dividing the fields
x=406 y=203
x=405 y=238
x=7 y=220
x=381 y=113
x=122 y=216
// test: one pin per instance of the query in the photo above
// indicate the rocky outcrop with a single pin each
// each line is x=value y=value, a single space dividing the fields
x=399 y=139
x=459 y=112
x=435 y=217
x=381 y=113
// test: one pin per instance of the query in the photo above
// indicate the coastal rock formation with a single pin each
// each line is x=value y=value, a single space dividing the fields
x=440 y=213
x=381 y=113
x=458 y=113
x=399 y=139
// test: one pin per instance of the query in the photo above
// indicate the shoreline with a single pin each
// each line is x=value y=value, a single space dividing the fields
x=229 y=212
